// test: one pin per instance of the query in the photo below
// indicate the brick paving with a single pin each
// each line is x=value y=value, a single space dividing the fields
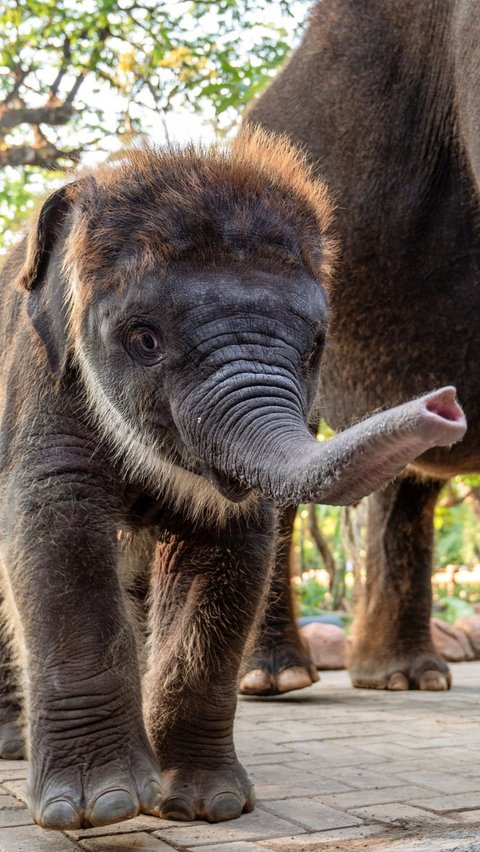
x=334 y=769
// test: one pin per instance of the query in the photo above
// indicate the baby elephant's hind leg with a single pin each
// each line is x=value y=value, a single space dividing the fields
x=279 y=661
x=206 y=589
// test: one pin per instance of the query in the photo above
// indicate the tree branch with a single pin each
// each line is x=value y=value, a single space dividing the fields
x=41 y=115
x=19 y=74
x=74 y=90
x=62 y=70
x=452 y=499
x=46 y=156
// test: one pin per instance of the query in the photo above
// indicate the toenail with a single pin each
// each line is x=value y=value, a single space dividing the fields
x=114 y=806
x=224 y=806
x=60 y=814
x=11 y=750
x=433 y=680
x=398 y=681
x=295 y=677
x=151 y=795
x=249 y=805
x=176 y=808
x=256 y=682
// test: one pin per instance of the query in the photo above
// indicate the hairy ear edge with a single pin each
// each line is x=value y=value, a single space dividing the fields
x=42 y=239
x=42 y=278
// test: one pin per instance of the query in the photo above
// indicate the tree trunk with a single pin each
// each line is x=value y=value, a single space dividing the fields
x=322 y=545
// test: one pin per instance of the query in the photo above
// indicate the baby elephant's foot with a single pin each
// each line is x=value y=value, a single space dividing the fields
x=426 y=671
x=12 y=743
x=211 y=794
x=92 y=787
x=277 y=669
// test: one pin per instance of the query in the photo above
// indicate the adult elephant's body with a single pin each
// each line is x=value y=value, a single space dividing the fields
x=383 y=97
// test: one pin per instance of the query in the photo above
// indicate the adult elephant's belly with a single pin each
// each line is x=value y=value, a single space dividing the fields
x=385 y=351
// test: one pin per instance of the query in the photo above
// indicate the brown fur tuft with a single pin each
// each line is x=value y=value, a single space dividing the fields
x=255 y=198
x=287 y=165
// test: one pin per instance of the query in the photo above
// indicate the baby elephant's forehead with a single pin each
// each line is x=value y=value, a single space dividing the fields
x=190 y=298
x=194 y=297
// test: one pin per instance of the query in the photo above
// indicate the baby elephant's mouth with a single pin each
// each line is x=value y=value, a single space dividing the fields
x=232 y=489
x=227 y=486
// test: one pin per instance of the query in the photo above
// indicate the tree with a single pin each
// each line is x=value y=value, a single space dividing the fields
x=74 y=77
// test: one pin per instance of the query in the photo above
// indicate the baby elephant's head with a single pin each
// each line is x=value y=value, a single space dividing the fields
x=189 y=290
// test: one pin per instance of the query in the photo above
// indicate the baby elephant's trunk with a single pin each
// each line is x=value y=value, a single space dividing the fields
x=286 y=464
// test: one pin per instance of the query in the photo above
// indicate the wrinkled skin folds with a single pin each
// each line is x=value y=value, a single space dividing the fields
x=165 y=325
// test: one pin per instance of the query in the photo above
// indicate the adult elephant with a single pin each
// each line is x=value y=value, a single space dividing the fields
x=384 y=98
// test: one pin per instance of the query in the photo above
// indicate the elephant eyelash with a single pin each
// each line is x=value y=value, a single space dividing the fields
x=309 y=358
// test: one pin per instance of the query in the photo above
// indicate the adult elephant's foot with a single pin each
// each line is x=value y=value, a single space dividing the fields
x=86 y=783
x=274 y=669
x=418 y=670
x=211 y=794
x=392 y=646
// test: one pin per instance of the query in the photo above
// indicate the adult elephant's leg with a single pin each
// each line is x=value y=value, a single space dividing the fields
x=392 y=645
x=279 y=661
x=90 y=760
x=12 y=743
x=206 y=589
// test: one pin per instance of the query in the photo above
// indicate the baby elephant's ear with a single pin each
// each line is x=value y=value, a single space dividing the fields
x=42 y=239
x=41 y=275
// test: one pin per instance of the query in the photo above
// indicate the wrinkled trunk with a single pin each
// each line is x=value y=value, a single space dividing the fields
x=361 y=459
x=267 y=446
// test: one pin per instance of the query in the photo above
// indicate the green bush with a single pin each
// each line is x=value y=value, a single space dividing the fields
x=312 y=597
x=451 y=607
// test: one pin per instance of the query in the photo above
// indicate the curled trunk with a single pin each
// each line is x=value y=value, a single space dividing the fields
x=274 y=452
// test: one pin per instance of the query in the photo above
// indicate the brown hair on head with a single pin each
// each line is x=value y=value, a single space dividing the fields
x=255 y=196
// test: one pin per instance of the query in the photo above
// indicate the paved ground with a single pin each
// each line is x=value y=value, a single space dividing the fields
x=335 y=769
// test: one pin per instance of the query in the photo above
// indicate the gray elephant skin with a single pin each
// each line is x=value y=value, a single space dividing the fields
x=383 y=97
x=163 y=329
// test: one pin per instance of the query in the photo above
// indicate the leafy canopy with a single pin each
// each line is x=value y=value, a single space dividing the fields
x=82 y=77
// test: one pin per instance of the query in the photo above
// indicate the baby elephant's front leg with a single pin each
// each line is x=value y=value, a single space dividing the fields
x=206 y=592
x=90 y=760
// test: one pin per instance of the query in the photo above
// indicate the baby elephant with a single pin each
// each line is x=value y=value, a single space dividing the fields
x=162 y=331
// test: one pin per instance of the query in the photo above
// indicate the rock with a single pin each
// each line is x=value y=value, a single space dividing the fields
x=452 y=644
x=327 y=645
x=326 y=618
x=470 y=624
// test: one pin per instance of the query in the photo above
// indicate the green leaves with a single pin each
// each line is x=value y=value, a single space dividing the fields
x=126 y=67
x=19 y=192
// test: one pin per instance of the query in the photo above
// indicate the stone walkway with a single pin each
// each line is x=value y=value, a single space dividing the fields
x=334 y=769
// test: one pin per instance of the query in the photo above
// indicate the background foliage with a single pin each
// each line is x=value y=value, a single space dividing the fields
x=78 y=79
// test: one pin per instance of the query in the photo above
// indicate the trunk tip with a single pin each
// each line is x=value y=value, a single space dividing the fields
x=442 y=405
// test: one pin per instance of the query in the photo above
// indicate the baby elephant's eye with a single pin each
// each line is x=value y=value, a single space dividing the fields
x=311 y=358
x=144 y=345
x=148 y=341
